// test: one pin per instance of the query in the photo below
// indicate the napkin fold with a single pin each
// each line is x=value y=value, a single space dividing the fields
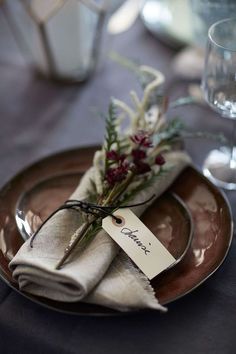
x=101 y=273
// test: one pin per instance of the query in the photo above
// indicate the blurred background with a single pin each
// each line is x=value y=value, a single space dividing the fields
x=57 y=75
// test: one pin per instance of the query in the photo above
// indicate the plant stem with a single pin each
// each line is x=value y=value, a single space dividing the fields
x=123 y=187
x=83 y=229
x=232 y=143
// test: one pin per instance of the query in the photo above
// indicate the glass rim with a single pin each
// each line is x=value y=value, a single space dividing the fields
x=212 y=27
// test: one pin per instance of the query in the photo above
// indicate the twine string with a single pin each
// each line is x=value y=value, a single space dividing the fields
x=100 y=211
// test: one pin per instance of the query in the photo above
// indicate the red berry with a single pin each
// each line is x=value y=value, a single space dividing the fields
x=142 y=167
x=142 y=139
x=159 y=160
x=138 y=154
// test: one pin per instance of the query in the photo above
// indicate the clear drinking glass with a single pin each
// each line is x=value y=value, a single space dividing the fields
x=207 y=12
x=219 y=86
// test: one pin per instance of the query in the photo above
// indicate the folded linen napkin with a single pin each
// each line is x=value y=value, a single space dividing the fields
x=100 y=273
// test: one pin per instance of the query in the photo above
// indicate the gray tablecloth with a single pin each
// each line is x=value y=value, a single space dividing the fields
x=39 y=118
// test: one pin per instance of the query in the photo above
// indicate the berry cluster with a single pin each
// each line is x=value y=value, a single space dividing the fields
x=137 y=162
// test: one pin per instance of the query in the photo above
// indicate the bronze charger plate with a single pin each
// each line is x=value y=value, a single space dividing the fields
x=213 y=227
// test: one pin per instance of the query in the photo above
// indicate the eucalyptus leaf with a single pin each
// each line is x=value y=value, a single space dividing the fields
x=172 y=130
x=183 y=101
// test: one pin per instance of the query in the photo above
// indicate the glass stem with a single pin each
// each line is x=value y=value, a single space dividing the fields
x=233 y=136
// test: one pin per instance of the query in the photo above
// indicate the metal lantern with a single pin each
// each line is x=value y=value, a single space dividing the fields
x=60 y=38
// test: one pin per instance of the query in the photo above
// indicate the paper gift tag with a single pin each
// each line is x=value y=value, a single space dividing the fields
x=140 y=244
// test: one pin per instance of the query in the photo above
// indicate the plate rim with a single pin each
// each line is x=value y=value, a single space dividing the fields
x=231 y=234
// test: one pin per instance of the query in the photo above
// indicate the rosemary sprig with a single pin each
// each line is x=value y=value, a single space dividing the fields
x=111 y=136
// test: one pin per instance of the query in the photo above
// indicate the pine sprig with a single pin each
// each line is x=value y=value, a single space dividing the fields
x=92 y=233
x=111 y=137
x=111 y=128
x=92 y=192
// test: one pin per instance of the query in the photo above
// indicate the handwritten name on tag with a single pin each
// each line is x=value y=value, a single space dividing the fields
x=140 y=244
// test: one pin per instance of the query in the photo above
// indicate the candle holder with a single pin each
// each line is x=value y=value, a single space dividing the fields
x=61 y=39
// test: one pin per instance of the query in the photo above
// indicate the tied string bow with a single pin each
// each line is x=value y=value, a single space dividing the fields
x=98 y=211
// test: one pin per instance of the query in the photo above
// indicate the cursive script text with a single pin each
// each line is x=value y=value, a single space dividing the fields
x=131 y=234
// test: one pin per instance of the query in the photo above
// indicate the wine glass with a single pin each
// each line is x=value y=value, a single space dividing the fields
x=219 y=86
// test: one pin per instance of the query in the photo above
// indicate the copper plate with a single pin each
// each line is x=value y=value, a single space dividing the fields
x=210 y=213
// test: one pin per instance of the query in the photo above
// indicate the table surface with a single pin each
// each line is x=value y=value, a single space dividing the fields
x=39 y=117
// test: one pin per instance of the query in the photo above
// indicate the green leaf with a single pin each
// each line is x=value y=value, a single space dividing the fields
x=205 y=135
x=183 y=101
x=92 y=191
x=171 y=131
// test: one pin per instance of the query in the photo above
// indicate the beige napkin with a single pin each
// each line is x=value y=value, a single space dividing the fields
x=100 y=274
